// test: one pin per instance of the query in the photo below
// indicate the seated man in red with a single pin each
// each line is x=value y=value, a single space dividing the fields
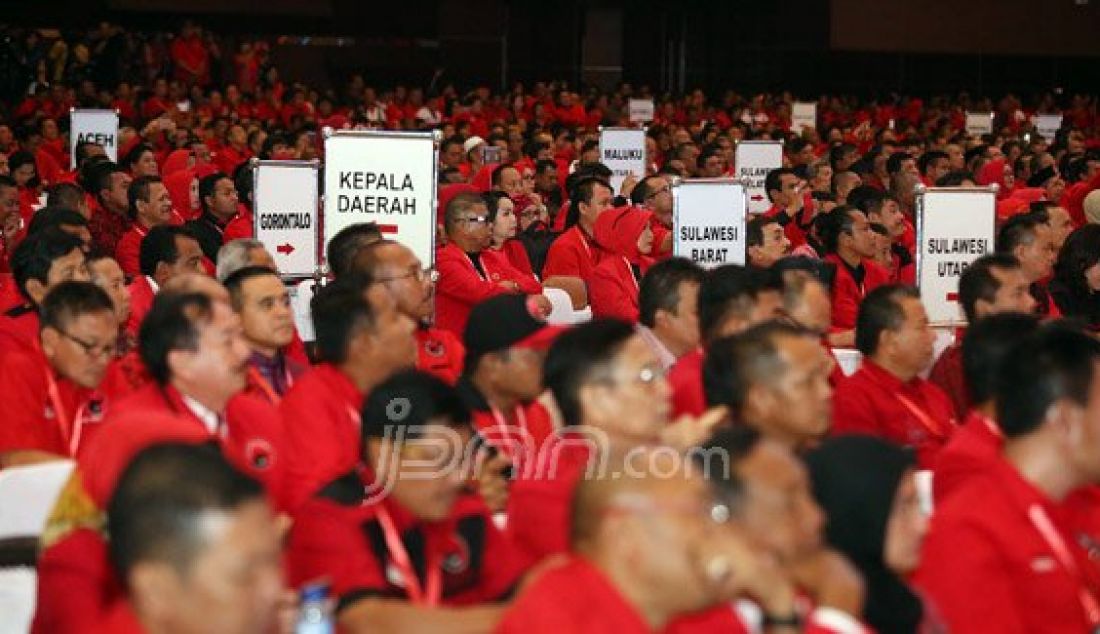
x=402 y=544
x=1031 y=240
x=397 y=268
x=575 y=252
x=166 y=252
x=1001 y=555
x=51 y=405
x=643 y=552
x=465 y=277
x=668 y=309
x=978 y=441
x=886 y=397
x=150 y=207
x=850 y=246
x=262 y=302
x=792 y=207
x=991 y=285
x=361 y=340
x=184 y=525
x=39 y=263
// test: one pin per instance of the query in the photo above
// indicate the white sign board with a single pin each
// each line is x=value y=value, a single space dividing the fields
x=622 y=150
x=641 y=110
x=709 y=217
x=93 y=126
x=803 y=115
x=384 y=177
x=754 y=160
x=954 y=227
x=978 y=123
x=1048 y=125
x=285 y=213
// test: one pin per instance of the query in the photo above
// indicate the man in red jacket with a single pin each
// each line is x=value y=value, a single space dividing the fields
x=1031 y=240
x=575 y=253
x=150 y=207
x=361 y=340
x=1003 y=532
x=109 y=183
x=886 y=397
x=791 y=206
x=51 y=405
x=849 y=243
x=184 y=525
x=166 y=252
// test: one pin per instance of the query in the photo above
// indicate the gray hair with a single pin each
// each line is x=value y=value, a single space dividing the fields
x=233 y=256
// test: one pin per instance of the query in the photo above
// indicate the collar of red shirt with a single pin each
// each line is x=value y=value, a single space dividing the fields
x=341 y=383
x=886 y=379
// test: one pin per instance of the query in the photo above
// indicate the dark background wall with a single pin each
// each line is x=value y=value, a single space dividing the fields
x=808 y=46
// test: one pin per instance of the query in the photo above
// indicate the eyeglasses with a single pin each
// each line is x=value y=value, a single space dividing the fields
x=648 y=375
x=475 y=220
x=421 y=275
x=90 y=349
x=658 y=192
x=715 y=512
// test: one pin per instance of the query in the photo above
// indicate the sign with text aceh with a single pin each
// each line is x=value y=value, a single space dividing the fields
x=285 y=213
x=384 y=177
x=93 y=125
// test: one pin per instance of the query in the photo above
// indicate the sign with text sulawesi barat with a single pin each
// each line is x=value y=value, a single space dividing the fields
x=93 y=125
x=384 y=177
x=709 y=217
x=286 y=213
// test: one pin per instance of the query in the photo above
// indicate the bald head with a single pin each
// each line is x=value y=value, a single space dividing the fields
x=195 y=283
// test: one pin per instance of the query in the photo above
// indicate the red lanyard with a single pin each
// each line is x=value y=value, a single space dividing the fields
x=70 y=429
x=266 y=387
x=1050 y=535
x=421 y=595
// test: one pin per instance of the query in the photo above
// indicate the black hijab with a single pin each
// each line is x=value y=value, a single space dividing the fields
x=855 y=480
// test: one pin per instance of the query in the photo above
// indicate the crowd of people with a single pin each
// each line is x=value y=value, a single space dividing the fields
x=439 y=458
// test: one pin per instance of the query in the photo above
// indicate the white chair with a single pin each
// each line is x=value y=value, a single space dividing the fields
x=562 y=312
x=849 y=360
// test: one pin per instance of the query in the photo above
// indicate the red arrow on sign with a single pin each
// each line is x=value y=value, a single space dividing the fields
x=387 y=228
x=285 y=249
x=756 y=197
x=952 y=297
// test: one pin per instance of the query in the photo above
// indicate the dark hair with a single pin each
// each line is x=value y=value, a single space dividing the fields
x=837 y=153
x=171 y=324
x=134 y=155
x=831 y=226
x=7 y=181
x=642 y=191
x=773 y=181
x=140 y=189
x=893 y=164
x=19 y=159
x=99 y=177
x=732 y=365
x=55 y=217
x=881 y=310
x=928 y=158
x=660 y=287
x=159 y=245
x=578 y=357
x=235 y=282
x=341 y=249
x=340 y=311
x=955 y=178
x=67 y=195
x=498 y=173
x=866 y=198
x=1017 y=230
x=80 y=152
x=34 y=256
x=583 y=191
x=492 y=203
x=984 y=347
x=978 y=282
x=1080 y=252
x=754 y=230
x=207 y=185
x=1055 y=363
x=69 y=300
x=156 y=510
x=706 y=152
x=731 y=290
x=409 y=400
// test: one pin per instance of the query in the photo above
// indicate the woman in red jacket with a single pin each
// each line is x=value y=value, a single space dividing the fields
x=468 y=272
x=504 y=225
x=627 y=234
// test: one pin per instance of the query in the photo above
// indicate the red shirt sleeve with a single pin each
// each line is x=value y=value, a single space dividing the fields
x=328 y=541
x=853 y=411
x=128 y=253
x=25 y=426
x=563 y=258
x=612 y=291
x=76 y=584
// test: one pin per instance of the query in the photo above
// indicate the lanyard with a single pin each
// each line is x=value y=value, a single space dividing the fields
x=630 y=269
x=917 y=411
x=73 y=429
x=1053 y=539
x=991 y=426
x=502 y=426
x=427 y=595
x=267 y=388
x=140 y=231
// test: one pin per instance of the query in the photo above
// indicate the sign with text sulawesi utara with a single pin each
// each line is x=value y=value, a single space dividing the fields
x=622 y=150
x=285 y=213
x=384 y=177
x=754 y=159
x=955 y=226
x=93 y=125
x=709 y=217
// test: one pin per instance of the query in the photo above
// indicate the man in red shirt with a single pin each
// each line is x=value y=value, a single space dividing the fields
x=405 y=547
x=978 y=441
x=361 y=340
x=668 y=309
x=643 y=553
x=575 y=253
x=51 y=405
x=773 y=377
x=150 y=207
x=39 y=263
x=218 y=196
x=166 y=252
x=766 y=241
x=787 y=193
x=886 y=397
x=110 y=184
x=1031 y=240
x=262 y=302
x=190 y=58
x=883 y=208
x=396 y=267
x=849 y=244
x=195 y=545
x=999 y=555
x=992 y=284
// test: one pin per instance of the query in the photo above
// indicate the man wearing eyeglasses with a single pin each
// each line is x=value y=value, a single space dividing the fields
x=438 y=352
x=51 y=405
